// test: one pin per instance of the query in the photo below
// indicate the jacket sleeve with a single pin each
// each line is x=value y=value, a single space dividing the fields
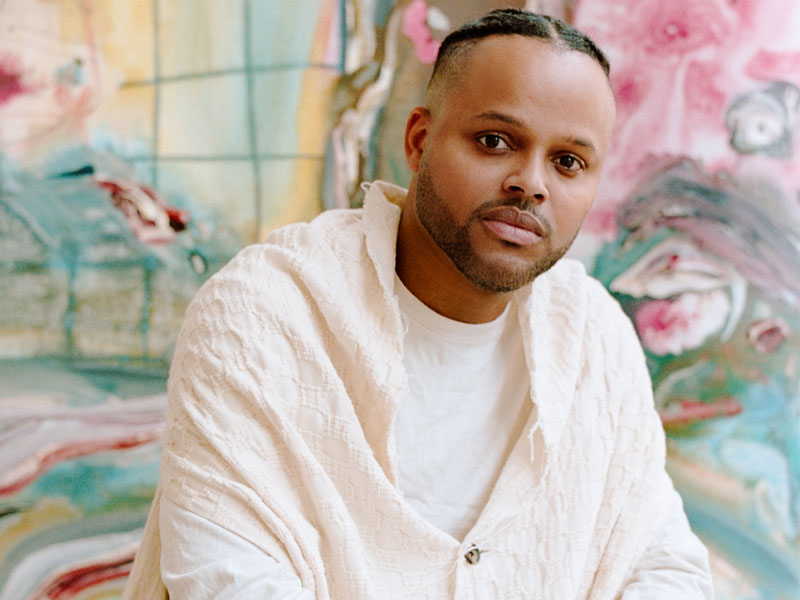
x=232 y=453
x=201 y=560
x=674 y=565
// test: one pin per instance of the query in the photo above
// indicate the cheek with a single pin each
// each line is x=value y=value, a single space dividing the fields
x=571 y=206
x=450 y=163
x=462 y=182
x=457 y=158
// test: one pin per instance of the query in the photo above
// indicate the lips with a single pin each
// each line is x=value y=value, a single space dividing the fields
x=513 y=225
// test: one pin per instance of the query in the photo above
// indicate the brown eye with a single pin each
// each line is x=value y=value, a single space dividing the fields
x=493 y=141
x=569 y=163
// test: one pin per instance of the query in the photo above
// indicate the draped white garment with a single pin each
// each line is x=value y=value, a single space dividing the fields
x=466 y=407
x=284 y=388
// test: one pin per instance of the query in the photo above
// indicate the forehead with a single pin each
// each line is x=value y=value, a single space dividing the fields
x=530 y=78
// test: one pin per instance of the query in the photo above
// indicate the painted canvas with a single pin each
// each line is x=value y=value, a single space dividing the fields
x=698 y=230
x=143 y=143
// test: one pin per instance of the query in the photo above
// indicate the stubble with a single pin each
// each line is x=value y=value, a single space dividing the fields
x=454 y=240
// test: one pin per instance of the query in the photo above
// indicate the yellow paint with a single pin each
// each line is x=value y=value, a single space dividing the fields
x=46 y=513
x=302 y=201
x=197 y=37
x=122 y=31
x=717 y=488
x=111 y=590
x=127 y=115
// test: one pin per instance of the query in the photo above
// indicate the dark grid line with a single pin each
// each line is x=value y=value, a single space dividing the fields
x=251 y=117
x=249 y=70
x=226 y=157
x=343 y=34
x=231 y=71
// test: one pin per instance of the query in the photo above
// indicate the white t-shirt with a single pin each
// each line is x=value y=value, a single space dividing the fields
x=467 y=403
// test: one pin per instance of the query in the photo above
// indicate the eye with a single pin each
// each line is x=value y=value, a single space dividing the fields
x=570 y=163
x=493 y=141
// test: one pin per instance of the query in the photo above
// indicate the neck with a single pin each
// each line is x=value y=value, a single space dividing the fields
x=431 y=276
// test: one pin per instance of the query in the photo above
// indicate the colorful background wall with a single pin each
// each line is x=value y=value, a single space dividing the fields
x=142 y=143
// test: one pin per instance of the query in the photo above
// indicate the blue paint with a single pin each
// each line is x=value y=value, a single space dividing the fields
x=105 y=482
x=776 y=572
x=383 y=8
x=76 y=231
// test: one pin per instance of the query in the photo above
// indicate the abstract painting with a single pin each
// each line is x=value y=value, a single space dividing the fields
x=143 y=143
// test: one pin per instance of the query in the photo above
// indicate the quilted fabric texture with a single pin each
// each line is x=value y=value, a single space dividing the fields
x=284 y=384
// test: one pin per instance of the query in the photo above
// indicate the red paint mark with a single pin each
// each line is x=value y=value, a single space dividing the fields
x=10 y=80
x=692 y=411
x=123 y=194
x=69 y=584
x=74 y=451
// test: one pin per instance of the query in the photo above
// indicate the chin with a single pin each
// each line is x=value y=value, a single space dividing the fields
x=500 y=276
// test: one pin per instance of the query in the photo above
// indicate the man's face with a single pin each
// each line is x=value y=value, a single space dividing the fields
x=509 y=157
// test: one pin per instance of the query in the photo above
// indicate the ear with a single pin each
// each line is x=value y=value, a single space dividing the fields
x=417 y=129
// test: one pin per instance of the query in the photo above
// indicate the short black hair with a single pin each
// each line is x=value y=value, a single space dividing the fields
x=512 y=21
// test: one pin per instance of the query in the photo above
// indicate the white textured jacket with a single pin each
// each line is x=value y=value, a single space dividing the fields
x=285 y=380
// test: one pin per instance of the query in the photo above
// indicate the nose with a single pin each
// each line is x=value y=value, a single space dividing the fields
x=527 y=178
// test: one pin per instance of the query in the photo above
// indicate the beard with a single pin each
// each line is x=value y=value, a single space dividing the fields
x=454 y=239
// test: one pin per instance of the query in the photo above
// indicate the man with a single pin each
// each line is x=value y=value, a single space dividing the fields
x=407 y=401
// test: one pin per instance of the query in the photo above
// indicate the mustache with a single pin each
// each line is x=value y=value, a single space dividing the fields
x=528 y=205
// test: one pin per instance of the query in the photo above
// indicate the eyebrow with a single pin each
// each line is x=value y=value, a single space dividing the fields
x=504 y=118
x=498 y=116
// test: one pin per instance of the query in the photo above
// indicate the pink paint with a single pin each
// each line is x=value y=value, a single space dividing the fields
x=675 y=69
x=684 y=323
x=602 y=222
x=701 y=92
x=655 y=318
x=682 y=27
x=415 y=27
x=78 y=103
x=775 y=66
x=10 y=80
x=629 y=90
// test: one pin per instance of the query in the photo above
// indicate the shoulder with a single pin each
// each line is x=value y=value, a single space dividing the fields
x=274 y=277
x=591 y=331
x=330 y=228
x=293 y=248
x=589 y=313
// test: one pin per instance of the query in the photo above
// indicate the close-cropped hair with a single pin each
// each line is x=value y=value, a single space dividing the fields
x=511 y=21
